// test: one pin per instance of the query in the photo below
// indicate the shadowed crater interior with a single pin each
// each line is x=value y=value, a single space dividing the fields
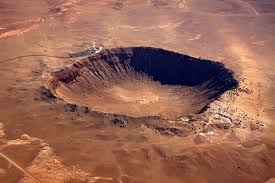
x=142 y=81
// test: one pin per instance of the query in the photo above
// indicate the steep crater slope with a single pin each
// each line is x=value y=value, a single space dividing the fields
x=142 y=81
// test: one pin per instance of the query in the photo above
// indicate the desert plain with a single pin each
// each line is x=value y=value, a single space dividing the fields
x=126 y=114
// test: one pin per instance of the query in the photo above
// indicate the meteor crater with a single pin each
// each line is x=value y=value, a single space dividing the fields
x=142 y=81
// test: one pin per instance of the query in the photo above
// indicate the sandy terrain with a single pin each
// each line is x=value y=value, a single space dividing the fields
x=46 y=139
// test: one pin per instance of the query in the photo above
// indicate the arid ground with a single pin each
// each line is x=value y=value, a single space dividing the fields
x=54 y=127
